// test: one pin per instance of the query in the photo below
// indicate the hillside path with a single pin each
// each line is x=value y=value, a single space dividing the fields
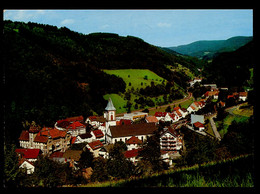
x=163 y=106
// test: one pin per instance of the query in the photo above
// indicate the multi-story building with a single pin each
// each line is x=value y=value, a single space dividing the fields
x=170 y=140
x=47 y=139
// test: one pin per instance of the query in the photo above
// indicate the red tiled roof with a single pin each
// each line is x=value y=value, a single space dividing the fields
x=131 y=153
x=75 y=125
x=211 y=93
x=178 y=112
x=29 y=153
x=198 y=124
x=98 y=133
x=133 y=140
x=152 y=119
x=192 y=107
x=176 y=108
x=24 y=136
x=243 y=94
x=95 y=144
x=125 y=122
x=44 y=134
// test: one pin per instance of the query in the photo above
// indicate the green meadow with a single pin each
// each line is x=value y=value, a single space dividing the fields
x=136 y=77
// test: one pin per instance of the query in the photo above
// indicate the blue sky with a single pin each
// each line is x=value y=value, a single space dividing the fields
x=158 y=27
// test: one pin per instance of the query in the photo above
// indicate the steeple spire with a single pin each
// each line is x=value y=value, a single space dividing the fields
x=110 y=105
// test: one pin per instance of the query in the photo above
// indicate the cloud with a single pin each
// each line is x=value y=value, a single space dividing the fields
x=67 y=21
x=164 y=25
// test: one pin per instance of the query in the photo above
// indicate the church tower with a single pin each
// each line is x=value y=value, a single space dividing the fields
x=110 y=113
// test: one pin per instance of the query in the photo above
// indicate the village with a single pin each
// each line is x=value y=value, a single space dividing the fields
x=98 y=133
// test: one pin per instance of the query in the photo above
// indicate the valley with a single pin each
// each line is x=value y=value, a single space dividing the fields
x=111 y=107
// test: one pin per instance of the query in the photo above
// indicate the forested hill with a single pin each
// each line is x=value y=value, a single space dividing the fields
x=231 y=69
x=45 y=65
x=207 y=49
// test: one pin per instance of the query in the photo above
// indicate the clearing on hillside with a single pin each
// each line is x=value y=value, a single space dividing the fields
x=139 y=78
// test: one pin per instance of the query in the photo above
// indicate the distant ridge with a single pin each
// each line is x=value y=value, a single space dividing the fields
x=208 y=49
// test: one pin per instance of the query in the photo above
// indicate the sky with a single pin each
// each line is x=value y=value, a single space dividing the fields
x=163 y=28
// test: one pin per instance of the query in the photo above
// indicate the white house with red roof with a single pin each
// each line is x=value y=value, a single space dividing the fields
x=133 y=143
x=94 y=147
x=29 y=154
x=132 y=155
x=27 y=165
x=199 y=126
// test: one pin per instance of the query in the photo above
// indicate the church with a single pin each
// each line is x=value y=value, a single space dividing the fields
x=110 y=114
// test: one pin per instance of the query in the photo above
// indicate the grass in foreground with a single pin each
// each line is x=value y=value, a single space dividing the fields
x=234 y=172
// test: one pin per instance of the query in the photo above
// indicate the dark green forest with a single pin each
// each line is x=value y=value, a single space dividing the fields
x=44 y=66
x=231 y=69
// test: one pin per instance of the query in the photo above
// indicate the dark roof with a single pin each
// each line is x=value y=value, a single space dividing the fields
x=133 y=130
x=72 y=154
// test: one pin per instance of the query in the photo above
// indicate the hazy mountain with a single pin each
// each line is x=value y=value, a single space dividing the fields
x=207 y=49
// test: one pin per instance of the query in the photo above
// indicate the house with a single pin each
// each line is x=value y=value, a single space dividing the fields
x=170 y=140
x=133 y=143
x=132 y=155
x=152 y=119
x=243 y=96
x=87 y=137
x=57 y=157
x=213 y=94
x=198 y=126
x=30 y=155
x=191 y=109
x=76 y=128
x=167 y=117
x=212 y=86
x=194 y=107
x=195 y=80
x=28 y=166
x=180 y=112
x=125 y=132
x=72 y=156
x=94 y=147
x=160 y=115
x=135 y=115
x=47 y=139
x=98 y=135
x=95 y=121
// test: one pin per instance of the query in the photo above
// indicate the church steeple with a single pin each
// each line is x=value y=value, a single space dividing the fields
x=110 y=105
x=110 y=112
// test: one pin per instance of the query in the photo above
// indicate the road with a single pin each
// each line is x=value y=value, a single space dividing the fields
x=163 y=106
x=214 y=128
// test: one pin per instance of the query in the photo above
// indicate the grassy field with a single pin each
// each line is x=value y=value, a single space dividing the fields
x=239 y=114
x=234 y=172
x=136 y=77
